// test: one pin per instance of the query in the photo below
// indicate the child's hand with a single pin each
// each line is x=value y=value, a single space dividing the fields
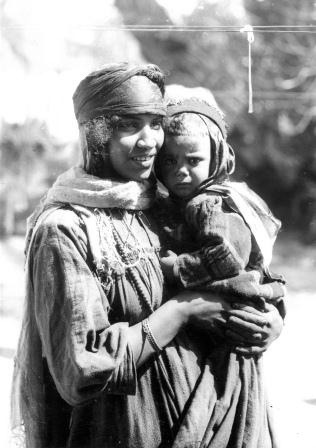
x=167 y=262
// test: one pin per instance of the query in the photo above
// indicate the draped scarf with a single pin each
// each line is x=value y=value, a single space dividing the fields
x=76 y=187
x=255 y=212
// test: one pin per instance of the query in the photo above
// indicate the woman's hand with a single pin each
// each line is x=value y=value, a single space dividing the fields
x=252 y=331
x=205 y=310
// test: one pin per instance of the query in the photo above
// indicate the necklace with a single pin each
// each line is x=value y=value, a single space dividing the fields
x=127 y=225
x=126 y=259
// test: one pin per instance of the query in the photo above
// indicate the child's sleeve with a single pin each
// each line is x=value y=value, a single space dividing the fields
x=225 y=243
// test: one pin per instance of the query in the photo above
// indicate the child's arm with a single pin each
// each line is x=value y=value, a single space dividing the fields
x=225 y=250
x=224 y=240
x=167 y=262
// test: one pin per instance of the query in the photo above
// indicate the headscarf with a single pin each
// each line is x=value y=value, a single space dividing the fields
x=120 y=89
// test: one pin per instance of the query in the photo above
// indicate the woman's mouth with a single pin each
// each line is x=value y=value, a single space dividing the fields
x=143 y=161
x=142 y=158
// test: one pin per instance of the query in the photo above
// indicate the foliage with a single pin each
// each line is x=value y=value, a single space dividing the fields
x=30 y=159
x=193 y=59
x=279 y=140
x=274 y=144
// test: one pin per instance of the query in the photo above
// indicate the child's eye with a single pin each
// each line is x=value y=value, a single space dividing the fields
x=193 y=161
x=168 y=161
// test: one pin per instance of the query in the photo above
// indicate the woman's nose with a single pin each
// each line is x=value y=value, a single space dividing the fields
x=146 y=138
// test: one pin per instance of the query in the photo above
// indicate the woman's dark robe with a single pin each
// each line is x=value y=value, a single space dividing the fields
x=192 y=394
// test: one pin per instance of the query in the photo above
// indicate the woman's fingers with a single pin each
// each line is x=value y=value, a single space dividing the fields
x=242 y=340
x=220 y=320
x=248 y=307
x=252 y=331
x=248 y=317
x=251 y=351
x=242 y=326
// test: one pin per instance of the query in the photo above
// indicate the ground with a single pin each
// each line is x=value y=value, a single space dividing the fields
x=290 y=363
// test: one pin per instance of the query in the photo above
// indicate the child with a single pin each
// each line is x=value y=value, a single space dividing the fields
x=221 y=233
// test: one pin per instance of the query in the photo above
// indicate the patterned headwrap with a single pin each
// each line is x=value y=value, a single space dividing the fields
x=120 y=89
x=106 y=94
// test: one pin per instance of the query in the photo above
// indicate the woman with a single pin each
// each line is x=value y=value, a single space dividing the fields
x=103 y=359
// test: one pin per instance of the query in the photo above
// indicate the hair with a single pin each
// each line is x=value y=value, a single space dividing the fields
x=95 y=135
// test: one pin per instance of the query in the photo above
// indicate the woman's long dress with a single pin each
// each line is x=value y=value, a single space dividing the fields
x=192 y=394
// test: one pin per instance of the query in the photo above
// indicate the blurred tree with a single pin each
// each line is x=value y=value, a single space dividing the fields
x=274 y=144
x=211 y=60
x=279 y=139
x=43 y=56
x=29 y=159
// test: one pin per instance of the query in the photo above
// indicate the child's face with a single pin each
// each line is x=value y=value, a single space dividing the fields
x=185 y=163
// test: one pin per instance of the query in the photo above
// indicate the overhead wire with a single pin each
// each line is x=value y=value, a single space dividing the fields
x=248 y=29
x=184 y=28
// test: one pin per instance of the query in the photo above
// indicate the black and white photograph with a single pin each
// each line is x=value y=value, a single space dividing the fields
x=157 y=224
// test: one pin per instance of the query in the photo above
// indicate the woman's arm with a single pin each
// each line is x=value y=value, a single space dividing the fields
x=247 y=329
x=86 y=354
x=207 y=310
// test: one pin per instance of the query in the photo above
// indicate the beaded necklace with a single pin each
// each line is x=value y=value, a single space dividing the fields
x=126 y=259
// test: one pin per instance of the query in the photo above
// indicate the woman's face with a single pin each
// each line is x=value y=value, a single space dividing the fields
x=134 y=145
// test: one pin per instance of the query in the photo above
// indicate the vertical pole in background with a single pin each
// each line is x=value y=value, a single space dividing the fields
x=250 y=37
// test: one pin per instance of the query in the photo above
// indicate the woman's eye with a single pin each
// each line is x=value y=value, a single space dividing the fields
x=127 y=125
x=157 y=124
